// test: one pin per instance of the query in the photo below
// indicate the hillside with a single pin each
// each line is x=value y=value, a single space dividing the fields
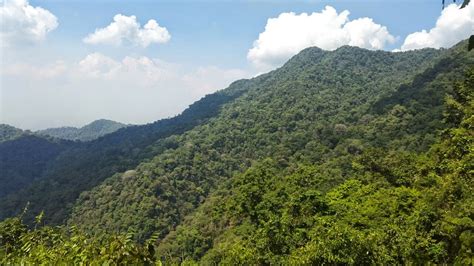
x=339 y=157
x=321 y=108
x=24 y=158
x=397 y=208
x=84 y=165
x=94 y=130
x=26 y=155
x=8 y=132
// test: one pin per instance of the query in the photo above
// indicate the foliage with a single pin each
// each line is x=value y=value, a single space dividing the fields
x=59 y=245
x=397 y=207
x=23 y=159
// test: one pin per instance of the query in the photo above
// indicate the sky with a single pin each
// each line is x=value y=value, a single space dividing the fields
x=69 y=62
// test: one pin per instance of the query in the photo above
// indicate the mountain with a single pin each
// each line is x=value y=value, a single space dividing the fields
x=84 y=165
x=321 y=108
x=25 y=155
x=24 y=158
x=339 y=157
x=397 y=208
x=88 y=132
x=8 y=132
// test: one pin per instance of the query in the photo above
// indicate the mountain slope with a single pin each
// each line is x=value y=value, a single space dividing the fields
x=317 y=109
x=23 y=159
x=8 y=132
x=88 y=132
x=87 y=164
x=396 y=207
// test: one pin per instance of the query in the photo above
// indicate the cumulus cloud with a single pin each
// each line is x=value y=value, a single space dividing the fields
x=126 y=28
x=22 y=22
x=453 y=25
x=98 y=65
x=365 y=33
x=141 y=70
x=289 y=33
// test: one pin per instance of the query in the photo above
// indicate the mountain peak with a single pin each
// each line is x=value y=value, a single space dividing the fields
x=91 y=131
x=8 y=132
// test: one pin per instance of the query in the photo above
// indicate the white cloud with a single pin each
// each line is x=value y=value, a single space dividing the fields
x=126 y=28
x=141 y=70
x=289 y=33
x=453 y=25
x=98 y=65
x=365 y=33
x=22 y=22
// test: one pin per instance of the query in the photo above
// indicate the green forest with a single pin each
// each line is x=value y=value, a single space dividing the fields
x=338 y=157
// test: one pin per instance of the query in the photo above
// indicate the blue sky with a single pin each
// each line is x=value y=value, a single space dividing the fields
x=218 y=32
x=57 y=78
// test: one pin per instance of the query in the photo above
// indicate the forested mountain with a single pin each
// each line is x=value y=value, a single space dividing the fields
x=339 y=157
x=395 y=207
x=24 y=159
x=88 y=132
x=84 y=165
x=25 y=155
x=321 y=109
x=8 y=132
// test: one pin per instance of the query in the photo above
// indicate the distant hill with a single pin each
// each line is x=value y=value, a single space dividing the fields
x=25 y=155
x=8 y=132
x=88 y=132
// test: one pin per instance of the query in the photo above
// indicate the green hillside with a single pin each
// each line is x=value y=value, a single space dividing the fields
x=8 y=132
x=24 y=159
x=84 y=165
x=339 y=157
x=394 y=206
x=321 y=108
x=88 y=132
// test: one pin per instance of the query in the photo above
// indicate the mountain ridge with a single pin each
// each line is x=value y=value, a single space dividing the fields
x=84 y=165
x=338 y=157
x=91 y=131
x=8 y=132
x=181 y=177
